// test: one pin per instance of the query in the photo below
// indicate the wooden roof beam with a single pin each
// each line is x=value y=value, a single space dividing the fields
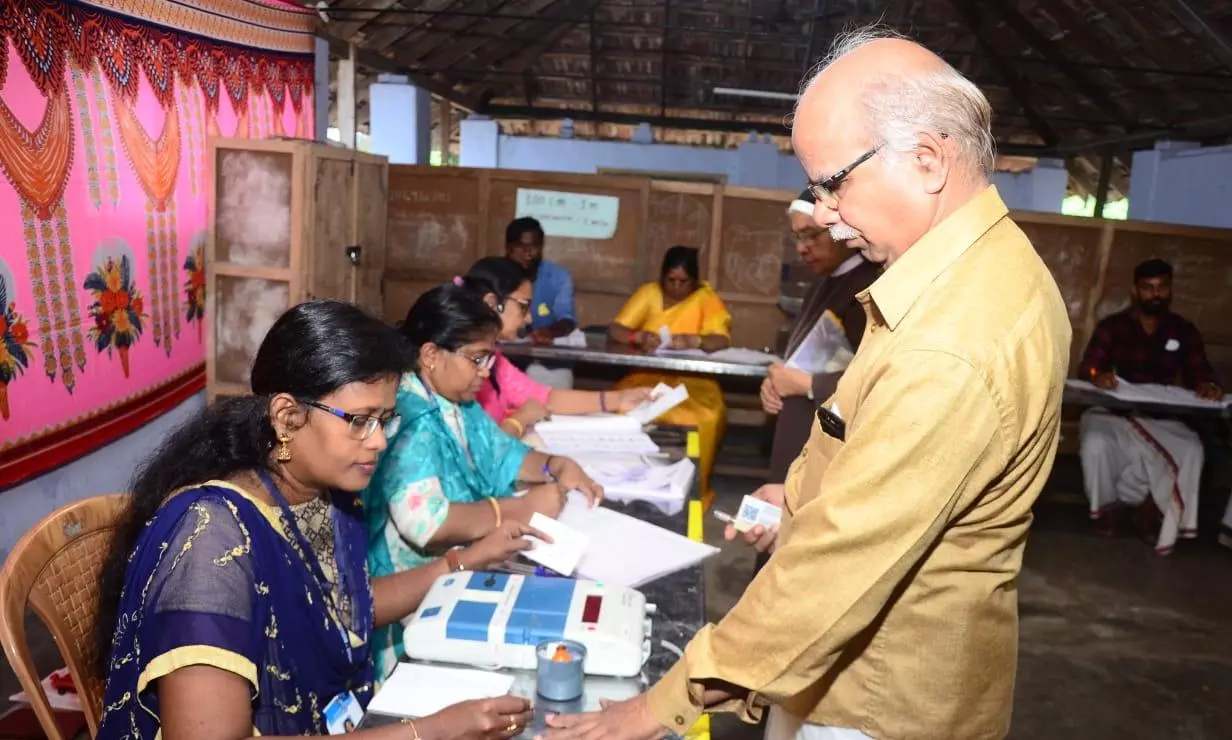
x=970 y=13
x=458 y=50
x=1196 y=23
x=371 y=60
x=1047 y=49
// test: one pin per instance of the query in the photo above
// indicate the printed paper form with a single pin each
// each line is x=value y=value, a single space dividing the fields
x=627 y=551
x=417 y=690
x=1172 y=395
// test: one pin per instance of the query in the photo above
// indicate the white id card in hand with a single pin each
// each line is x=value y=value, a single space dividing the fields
x=754 y=511
x=343 y=714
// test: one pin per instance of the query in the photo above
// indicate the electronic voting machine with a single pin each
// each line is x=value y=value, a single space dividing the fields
x=495 y=620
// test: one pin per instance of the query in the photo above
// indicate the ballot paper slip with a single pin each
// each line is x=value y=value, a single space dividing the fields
x=417 y=690
x=663 y=398
x=625 y=551
x=651 y=479
x=1171 y=395
x=563 y=552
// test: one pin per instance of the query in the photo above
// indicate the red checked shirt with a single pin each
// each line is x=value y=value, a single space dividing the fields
x=1173 y=355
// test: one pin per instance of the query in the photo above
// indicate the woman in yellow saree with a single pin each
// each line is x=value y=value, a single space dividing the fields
x=694 y=315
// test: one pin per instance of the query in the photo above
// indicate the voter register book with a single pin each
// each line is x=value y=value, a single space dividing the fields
x=495 y=620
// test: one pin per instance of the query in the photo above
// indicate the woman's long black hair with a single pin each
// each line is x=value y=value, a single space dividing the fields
x=499 y=276
x=311 y=351
x=448 y=316
x=681 y=256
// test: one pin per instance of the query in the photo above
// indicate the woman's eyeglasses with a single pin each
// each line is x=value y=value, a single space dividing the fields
x=482 y=362
x=361 y=426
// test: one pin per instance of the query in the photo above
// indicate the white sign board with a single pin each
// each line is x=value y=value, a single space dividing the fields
x=575 y=215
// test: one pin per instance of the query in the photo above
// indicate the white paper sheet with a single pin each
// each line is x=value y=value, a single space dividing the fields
x=627 y=551
x=653 y=480
x=1172 y=395
x=663 y=398
x=415 y=690
x=563 y=552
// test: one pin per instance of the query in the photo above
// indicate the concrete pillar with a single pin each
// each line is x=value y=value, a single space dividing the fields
x=399 y=120
x=479 y=142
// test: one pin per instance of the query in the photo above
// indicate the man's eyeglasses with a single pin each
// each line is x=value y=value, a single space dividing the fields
x=361 y=426
x=826 y=191
x=482 y=362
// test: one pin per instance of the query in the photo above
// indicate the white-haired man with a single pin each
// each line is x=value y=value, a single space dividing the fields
x=889 y=608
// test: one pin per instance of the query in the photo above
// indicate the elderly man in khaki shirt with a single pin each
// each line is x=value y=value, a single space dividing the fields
x=889 y=609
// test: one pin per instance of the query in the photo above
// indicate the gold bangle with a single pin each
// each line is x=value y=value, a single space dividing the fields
x=497 y=511
x=519 y=427
x=414 y=729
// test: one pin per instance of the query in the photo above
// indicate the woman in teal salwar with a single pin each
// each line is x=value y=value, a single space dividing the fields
x=235 y=599
x=450 y=475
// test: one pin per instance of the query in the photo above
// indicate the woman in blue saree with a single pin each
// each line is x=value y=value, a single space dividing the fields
x=235 y=599
x=450 y=475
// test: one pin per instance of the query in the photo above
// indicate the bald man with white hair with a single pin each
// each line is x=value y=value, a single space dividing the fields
x=889 y=608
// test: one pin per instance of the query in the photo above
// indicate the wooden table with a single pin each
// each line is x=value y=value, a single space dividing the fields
x=680 y=599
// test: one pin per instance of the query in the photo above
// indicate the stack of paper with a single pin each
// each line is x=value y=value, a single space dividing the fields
x=734 y=355
x=627 y=551
x=641 y=478
x=417 y=690
x=610 y=433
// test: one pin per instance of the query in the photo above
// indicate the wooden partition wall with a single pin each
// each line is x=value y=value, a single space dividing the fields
x=441 y=219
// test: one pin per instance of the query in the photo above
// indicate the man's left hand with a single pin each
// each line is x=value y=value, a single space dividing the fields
x=789 y=381
x=1209 y=392
x=623 y=720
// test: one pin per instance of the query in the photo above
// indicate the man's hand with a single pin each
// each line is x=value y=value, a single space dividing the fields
x=771 y=401
x=1107 y=381
x=1209 y=392
x=788 y=381
x=762 y=539
x=542 y=336
x=624 y=720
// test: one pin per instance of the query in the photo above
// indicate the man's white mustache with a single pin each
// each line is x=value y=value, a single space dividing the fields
x=841 y=232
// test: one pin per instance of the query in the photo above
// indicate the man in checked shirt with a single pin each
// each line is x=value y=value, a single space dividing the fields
x=1145 y=466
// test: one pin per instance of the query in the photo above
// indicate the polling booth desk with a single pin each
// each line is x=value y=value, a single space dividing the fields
x=679 y=599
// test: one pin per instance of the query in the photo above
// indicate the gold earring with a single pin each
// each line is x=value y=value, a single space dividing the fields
x=284 y=447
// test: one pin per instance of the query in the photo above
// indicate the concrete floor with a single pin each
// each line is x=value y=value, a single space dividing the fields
x=1115 y=641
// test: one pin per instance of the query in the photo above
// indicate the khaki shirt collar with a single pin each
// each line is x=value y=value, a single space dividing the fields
x=896 y=291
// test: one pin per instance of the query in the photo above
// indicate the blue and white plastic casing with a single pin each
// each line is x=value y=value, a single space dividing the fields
x=495 y=620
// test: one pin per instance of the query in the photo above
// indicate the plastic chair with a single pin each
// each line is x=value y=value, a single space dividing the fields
x=55 y=569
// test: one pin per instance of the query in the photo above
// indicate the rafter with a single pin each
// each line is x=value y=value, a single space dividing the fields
x=459 y=50
x=1195 y=22
x=371 y=60
x=970 y=13
x=354 y=21
x=1047 y=49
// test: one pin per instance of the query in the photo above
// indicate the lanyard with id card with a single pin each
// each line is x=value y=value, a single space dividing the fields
x=343 y=714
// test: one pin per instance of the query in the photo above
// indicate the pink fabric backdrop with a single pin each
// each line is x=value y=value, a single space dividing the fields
x=111 y=211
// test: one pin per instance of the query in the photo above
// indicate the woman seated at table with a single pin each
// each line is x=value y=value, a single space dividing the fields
x=450 y=474
x=510 y=396
x=696 y=318
x=234 y=600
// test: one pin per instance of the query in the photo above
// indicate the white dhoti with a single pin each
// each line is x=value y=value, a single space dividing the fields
x=1225 y=528
x=782 y=725
x=1127 y=458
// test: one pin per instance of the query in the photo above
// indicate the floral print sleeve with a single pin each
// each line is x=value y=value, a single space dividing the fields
x=418 y=509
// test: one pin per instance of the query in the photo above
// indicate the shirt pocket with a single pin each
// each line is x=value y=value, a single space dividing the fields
x=807 y=474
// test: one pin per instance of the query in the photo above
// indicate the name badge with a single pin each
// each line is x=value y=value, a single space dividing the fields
x=543 y=309
x=342 y=714
x=1172 y=345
